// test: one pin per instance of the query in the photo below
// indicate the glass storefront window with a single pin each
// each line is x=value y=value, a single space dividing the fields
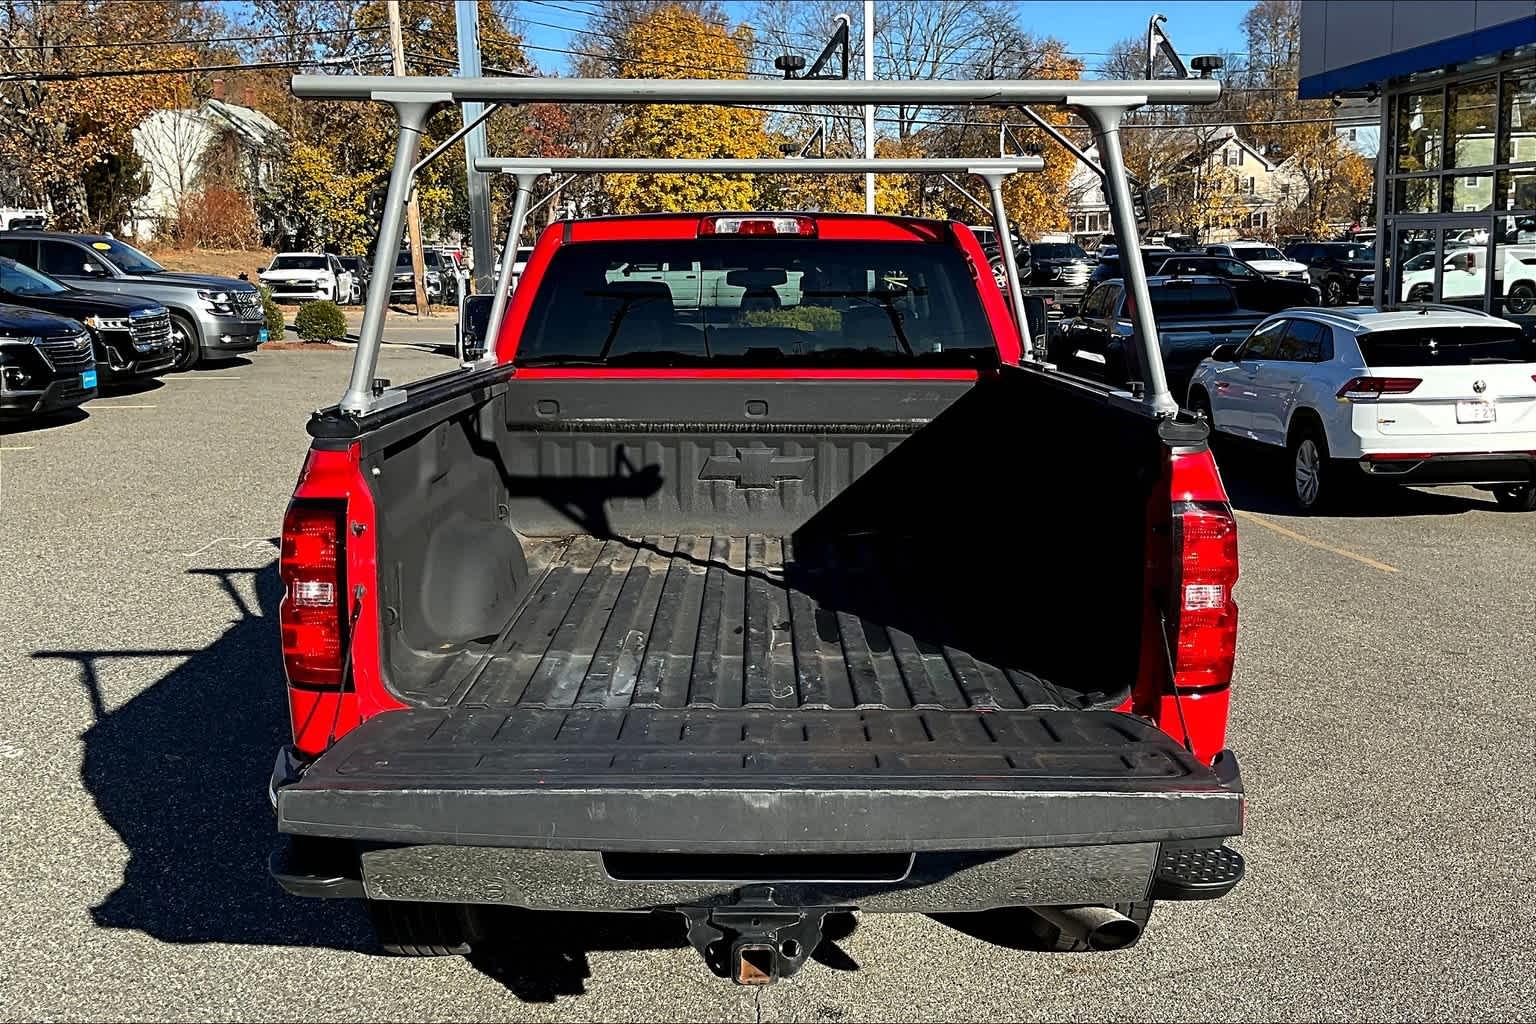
x=1517 y=142
x=1469 y=193
x=1416 y=195
x=1463 y=266
x=1469 y=123
x=1514 y=268
x=1517 y=190
x=1419 y=131
x=1412 y=267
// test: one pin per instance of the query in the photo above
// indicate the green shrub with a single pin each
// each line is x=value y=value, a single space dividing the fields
x=320 y=321
x=272 y=313
x=799 y=318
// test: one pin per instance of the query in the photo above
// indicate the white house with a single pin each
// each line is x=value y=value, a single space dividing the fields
x=174 y=146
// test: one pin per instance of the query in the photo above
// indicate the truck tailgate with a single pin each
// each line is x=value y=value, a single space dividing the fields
x=759 y=781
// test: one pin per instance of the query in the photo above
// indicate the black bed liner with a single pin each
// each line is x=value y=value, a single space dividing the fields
x=760 y=781
x=741 y=621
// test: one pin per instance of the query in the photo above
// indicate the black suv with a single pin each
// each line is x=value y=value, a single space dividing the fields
x=1059 y=265
x=1335 y=267
x=46 y=363
x=1253 y=290
x=132 y=336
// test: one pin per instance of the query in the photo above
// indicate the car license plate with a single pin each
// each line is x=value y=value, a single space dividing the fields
x=261 y=335
x=1476 y=412
x=88 y=379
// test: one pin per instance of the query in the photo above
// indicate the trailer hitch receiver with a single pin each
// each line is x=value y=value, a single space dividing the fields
x=754 y=941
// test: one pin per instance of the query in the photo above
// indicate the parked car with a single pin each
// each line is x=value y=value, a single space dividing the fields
x=1058 y=265
x=307 y=277
x=441 y=272
x=1425 y=397
x=1108 y=267
x=1254 y=290
x=1335 y=268
x=211 y=317
x=1261 y=256
x=131 y=336
x=1194 y=315
x=678 y=595
x=46 y=363
x=360 y=270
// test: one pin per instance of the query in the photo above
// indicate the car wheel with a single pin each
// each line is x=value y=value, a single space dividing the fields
x=424 y=929
x=1420 y=293
x=1308 y=477
x=1000 y=273
x=1520 y=498
x=184 y=342
x=1333 y=292
x=1521 y=298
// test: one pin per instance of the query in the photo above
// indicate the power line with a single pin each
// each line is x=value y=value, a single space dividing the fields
x=72 y=76
x=129 y=44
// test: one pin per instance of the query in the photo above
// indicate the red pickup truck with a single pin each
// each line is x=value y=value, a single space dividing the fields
x=754 y=582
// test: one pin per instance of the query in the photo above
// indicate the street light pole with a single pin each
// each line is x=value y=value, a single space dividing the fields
x=869 y=109
x=413 y=208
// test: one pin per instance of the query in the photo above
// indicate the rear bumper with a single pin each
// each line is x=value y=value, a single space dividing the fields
x=1451 y=468
x=573 y=880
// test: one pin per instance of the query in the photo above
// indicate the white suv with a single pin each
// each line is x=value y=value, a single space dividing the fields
x=1424 y=397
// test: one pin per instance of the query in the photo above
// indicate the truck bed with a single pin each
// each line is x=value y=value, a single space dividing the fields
x=742 y=621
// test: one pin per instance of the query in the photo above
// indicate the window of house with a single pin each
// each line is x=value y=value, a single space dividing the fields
x=1352 y=136
x=1250 y=186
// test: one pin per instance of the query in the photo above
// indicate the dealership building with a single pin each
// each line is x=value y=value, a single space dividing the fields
x=1456 y=169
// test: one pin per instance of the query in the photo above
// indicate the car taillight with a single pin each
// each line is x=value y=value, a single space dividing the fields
x=313 y=610
x=773 y=226
x=1375 y=387
x=1204 y=639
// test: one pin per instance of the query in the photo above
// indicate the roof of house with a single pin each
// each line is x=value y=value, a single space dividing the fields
x=255 y=127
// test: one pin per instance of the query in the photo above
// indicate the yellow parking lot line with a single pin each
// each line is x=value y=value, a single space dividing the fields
x=16 y=447
x=1331 y=549
x=193 y=380
x=102 y=405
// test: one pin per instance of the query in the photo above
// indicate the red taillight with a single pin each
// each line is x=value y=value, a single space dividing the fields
x=1375 y=387
x=804 y=227
x=313 y=609
x=1204 y=623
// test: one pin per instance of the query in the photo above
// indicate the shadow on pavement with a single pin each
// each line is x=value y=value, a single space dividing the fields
x=542 y=956
x=124 y=386
x=180 y=772
x=1255 y=481
x=48 y=421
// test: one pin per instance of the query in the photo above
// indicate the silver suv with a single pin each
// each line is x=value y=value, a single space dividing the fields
x=210 y=316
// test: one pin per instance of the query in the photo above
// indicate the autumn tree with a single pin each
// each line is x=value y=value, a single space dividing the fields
x=658 y=45
x=68 y=105
x=1331 y=181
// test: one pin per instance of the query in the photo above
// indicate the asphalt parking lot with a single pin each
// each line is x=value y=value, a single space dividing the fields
x=1384 y=715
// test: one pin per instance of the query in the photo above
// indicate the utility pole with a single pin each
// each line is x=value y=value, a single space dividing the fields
x=869 y=110
x=413 y=208
x=467 y=24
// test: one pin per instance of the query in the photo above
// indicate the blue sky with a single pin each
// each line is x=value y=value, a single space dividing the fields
x=1088 y=27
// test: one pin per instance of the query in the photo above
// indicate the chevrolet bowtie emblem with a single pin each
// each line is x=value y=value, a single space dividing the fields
x=755 y=467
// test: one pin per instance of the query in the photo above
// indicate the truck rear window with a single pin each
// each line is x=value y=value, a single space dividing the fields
x=757 y=302
x=1446 y=346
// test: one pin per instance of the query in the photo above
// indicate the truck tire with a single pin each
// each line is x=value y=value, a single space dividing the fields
x=1521 y=298
x=1519 y=498
x=1200 y=405
x=1333 y=292
x=184 y=341
x=1051 y=939
x=424 y=929
x=1420 y=293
